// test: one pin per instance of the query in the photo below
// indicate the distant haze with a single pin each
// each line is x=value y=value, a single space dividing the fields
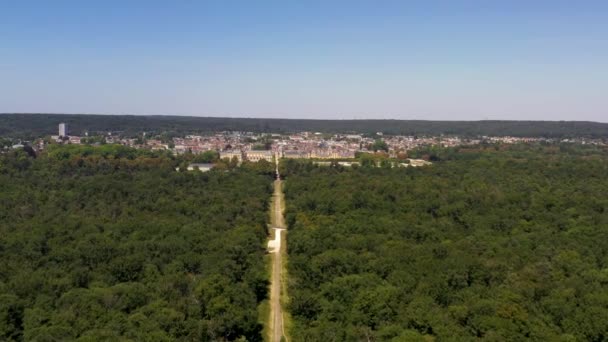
x=461 y=60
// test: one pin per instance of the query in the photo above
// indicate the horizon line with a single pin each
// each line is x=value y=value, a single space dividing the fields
x=308 y=119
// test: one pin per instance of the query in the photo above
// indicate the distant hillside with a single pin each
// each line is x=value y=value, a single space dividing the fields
x=33 y=125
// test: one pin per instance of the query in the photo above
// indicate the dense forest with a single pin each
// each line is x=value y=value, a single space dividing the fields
x=502 y=243
x=112 y=244
x=28 y=126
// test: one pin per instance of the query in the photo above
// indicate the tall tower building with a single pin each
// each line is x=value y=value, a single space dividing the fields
x=63 y=130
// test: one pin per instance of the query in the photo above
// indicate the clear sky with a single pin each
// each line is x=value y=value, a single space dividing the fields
x=435 y=60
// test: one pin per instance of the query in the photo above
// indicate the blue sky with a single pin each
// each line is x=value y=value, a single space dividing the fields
x=435 y=60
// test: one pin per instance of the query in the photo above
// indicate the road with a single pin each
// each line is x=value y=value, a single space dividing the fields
x=275 y=247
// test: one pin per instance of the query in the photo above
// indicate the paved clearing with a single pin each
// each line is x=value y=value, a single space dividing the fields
x=274 y=246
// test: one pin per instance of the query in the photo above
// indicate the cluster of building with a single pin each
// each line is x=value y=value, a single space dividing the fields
x=218 y=142
x=249 y=155
x=305 y=145
x=64 y=137
x=316 y=146
x=404 y=143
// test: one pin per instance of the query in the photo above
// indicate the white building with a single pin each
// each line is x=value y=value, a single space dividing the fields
x=63 y=129
x=74 y=140
x=232 y=154
x=256 y=156
x=332 y=154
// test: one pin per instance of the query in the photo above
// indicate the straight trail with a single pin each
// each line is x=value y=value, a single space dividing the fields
x=276 y=249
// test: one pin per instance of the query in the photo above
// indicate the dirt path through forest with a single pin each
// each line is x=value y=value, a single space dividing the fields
x=275 y=247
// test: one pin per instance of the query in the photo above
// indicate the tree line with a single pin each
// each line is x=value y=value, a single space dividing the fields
x=29 y=126
x=112 y=244
x=501 y=243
